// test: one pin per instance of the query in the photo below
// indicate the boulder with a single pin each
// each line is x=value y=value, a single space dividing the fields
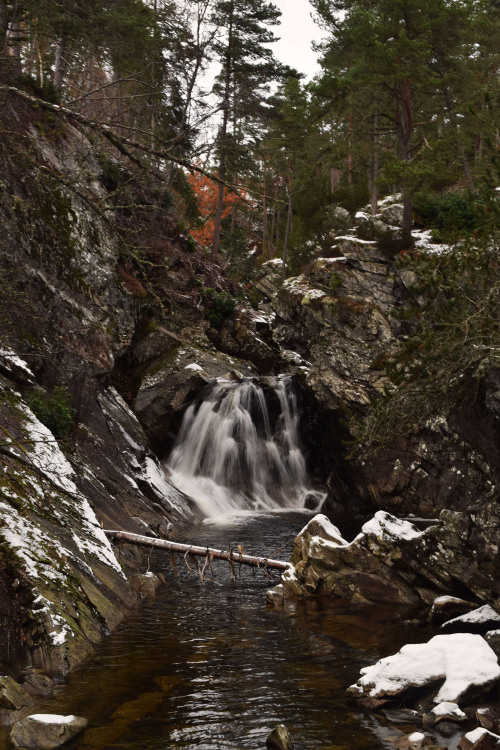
x=145 y=584
x=46 y=731
x=446 y=607
x=479 y=739
x=392 y=214
x=459 y=665
x=480 y=620
x=445 y=711
x=279 y=739
x=12 y=695
x=36 y=683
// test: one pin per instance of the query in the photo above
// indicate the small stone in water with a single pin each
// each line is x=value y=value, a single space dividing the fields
x=279 y=739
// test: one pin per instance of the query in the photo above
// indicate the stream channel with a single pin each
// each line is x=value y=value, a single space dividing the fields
x=211 y=666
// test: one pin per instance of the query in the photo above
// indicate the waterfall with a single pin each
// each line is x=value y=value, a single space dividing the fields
x=237 y=450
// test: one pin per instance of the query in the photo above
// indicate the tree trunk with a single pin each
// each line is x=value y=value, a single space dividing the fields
x=287 y=230
x=59 y=63
x=404 y=126
x=222 y=138
x=189 y=549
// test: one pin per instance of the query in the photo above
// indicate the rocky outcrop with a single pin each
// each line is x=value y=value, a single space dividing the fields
x=342 y=319
x=392 y=561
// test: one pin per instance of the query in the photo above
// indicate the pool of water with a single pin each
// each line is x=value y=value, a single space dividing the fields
x=210 y=665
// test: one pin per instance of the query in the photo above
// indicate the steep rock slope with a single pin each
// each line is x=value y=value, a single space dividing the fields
x=100 y=305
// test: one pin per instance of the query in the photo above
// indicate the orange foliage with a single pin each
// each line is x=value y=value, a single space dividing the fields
x=206 y=192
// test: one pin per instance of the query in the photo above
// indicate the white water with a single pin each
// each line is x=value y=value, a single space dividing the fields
x=229 y=456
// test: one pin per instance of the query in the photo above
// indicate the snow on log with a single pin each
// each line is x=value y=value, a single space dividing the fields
x=190 y=549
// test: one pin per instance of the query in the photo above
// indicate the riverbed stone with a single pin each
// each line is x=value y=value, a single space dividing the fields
x=279 y=739
x=46 y=731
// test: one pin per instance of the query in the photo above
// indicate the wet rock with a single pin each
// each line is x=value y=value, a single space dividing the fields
x=279 y=739
x=402 y=716
x=12 y=695
x=276 y=596
x=146 y=584
x=479 y=620
x=446 y=607
x=479 y=739
x=37 y=684
x=46 y=731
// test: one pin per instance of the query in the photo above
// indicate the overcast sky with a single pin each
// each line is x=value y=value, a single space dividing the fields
x=297 y=31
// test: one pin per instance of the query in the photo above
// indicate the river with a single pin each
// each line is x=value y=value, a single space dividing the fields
x=210 y=665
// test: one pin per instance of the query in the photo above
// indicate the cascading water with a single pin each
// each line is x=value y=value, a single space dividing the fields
x=231 y=455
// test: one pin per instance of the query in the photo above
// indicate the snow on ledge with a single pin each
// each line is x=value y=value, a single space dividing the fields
x=462 y=660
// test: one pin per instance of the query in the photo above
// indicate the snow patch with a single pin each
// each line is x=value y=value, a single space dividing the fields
x=52 y=718
x=194 y=367
x=462 y=660
x=476 y=617
x=385 y=525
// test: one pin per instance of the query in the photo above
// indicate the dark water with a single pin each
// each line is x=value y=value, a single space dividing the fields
x=210 y=666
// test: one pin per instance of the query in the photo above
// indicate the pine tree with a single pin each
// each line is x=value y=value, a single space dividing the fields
x=247 y=67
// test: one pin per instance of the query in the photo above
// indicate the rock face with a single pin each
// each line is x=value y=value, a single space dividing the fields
x=46 y=731
x=340 y=317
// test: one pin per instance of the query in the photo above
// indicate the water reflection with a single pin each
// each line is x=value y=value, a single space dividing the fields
x=210 y=666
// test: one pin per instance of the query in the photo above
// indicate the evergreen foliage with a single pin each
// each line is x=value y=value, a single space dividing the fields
x=55 y=410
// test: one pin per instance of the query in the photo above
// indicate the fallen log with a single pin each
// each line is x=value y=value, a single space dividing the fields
x=190 y=549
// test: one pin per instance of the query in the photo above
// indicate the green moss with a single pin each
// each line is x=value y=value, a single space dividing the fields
x=55 y=410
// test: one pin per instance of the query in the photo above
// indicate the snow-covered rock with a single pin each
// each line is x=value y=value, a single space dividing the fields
x=46 y=731
x=479 y=620
x=445 y=711
x=479 y=739
x=464 y=661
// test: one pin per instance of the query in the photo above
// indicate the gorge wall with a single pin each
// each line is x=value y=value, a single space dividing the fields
x=124 y=326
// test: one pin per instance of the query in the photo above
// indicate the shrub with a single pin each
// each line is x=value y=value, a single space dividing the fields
x=218 y=305
x=452 y=214
x=55 y=410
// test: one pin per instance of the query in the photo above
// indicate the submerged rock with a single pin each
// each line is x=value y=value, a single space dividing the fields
x=46 y=731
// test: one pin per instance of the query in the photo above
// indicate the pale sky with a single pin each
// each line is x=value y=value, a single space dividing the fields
x=296 y=33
